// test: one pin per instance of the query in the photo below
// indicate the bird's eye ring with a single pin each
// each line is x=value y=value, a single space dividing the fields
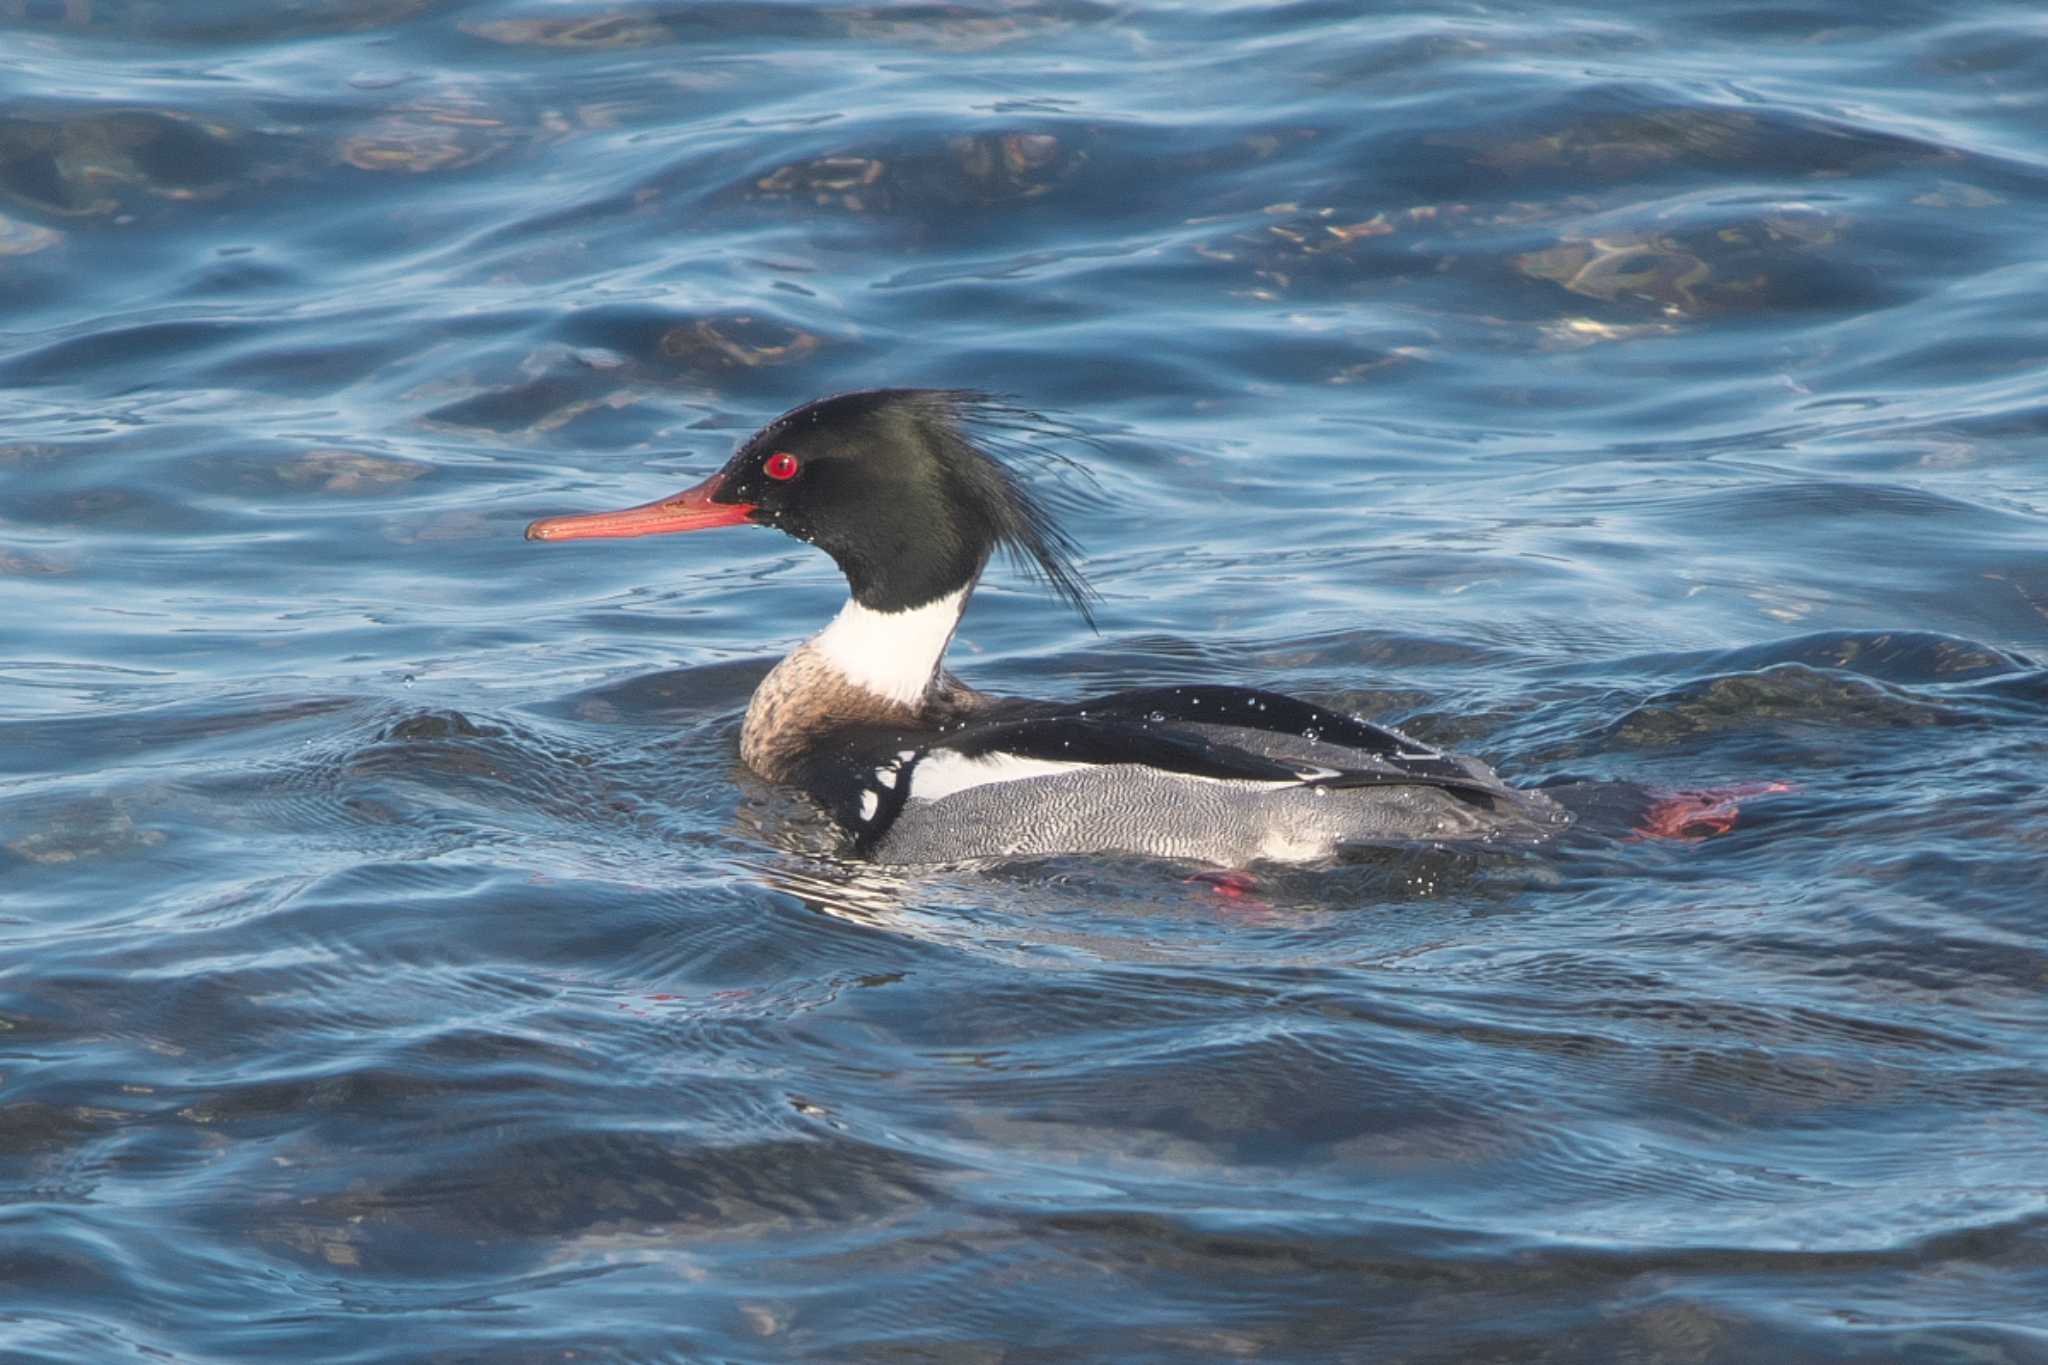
x=781 y=465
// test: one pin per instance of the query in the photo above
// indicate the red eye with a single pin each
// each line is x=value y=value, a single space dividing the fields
x=781 y=465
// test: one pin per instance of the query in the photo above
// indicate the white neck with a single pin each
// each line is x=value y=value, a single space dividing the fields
x=893 y=654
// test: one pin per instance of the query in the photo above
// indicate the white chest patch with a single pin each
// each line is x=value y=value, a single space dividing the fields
x=943 y=773
x=892 y=654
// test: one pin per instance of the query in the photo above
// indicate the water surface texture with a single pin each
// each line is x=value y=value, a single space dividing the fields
x=396 y=964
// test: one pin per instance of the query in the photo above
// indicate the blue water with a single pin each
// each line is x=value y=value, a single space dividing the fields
x=396 y=964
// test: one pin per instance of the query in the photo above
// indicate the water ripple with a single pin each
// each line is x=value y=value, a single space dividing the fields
x=396 y=963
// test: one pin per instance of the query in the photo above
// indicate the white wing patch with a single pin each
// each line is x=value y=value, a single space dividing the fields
x=870 y=802
x=944 y=772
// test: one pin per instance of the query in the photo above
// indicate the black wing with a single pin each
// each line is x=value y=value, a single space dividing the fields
x=1161 y=743
x=1276 y=713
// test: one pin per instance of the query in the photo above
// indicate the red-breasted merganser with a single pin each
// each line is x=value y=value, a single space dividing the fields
x=917 y=768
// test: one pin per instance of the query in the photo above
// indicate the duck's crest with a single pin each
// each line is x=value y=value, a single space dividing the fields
x=982 y=439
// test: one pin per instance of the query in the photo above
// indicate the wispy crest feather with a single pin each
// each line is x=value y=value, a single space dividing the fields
x=996 y=436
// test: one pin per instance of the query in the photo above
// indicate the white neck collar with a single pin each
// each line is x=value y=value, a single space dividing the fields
x=893 y=654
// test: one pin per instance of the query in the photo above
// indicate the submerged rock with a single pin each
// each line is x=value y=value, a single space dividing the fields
x=82 y=165
x=348 y=471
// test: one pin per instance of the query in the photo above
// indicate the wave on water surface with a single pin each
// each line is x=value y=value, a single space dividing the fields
x=395 y=961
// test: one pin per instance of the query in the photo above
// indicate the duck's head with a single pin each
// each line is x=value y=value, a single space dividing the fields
x=892 y=483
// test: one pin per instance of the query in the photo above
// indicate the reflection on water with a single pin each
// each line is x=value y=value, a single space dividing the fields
x=392 y=952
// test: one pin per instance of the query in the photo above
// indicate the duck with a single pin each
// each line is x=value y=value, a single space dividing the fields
x=904 y=490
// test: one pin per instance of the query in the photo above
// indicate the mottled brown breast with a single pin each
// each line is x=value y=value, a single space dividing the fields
x=804 y=698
